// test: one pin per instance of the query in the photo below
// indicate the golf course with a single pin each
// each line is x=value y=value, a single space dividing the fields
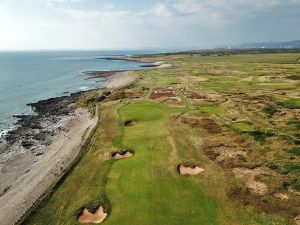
x=211 y=140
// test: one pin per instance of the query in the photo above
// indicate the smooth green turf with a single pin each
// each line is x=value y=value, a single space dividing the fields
x=211 y=110
x=243 y=126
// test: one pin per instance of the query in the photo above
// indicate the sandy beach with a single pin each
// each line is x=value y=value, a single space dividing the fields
x=26 y=175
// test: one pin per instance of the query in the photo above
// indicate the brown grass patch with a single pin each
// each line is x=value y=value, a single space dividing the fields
x=191 y=120
x=133 y=94
x=247 y=177
x=211 y=126
x=229 y=156
x=162 y=92
x=194 y=95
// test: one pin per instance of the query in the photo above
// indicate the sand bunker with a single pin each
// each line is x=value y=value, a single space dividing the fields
x=122 y=154
x=88 y=217
x=129 y=123
x=191 y=170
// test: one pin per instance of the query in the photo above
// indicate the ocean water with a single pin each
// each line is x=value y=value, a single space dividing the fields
x=27 y=77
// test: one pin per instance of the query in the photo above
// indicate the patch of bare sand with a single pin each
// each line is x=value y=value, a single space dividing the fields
x=121 y=79
x=88 y=217
x=190 y=170
x=297 y=220
x=38 y=175
x=161 y=65
x=247 y=177
x=222 y=152
x=281 y=196
x=174 y=101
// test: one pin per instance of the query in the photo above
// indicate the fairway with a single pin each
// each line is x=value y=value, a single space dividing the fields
x=140 y=188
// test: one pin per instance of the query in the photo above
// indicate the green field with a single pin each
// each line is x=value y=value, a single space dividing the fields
x=147 y=189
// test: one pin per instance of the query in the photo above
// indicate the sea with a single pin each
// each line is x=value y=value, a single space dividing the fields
x=27 y=77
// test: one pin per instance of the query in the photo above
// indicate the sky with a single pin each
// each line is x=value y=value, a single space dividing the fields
x=140 y=24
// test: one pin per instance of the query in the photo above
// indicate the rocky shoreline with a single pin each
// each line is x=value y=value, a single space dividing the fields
x=35 y=129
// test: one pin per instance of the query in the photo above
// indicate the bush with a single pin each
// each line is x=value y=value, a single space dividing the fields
x=294 y=77
x=291 y=168
x=295 y=123
x=273 y=166
x=270 y=110
x=261 y=135
x=296 y=185
x=295 y=150
x=292 y=103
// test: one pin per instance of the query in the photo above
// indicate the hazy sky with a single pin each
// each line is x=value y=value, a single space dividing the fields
x=82 y=24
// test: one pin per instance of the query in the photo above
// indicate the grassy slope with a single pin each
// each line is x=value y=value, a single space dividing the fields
x=146 y=189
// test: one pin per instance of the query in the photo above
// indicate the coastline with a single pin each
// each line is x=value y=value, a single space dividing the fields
x=28 y=169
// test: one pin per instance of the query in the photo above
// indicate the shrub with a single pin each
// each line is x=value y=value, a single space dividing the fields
x=261 y=135
x=270 y=110
x=294 y=77
x=288 y=168
x=296 y=185
x=295 y=123
x=273 y=166
x=295 y=150
x=292 y=103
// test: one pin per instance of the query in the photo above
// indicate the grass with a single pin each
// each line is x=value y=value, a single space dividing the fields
x=143 y=184
x=243 y=126
x=292 y=103
x=215 y=110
